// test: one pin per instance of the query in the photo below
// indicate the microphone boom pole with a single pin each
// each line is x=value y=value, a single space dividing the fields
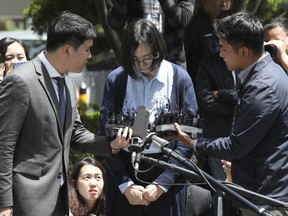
x=163 y=145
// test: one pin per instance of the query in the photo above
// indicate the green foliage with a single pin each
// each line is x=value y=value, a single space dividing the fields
x=42 y=11
x=272 y=8
x=90 y=118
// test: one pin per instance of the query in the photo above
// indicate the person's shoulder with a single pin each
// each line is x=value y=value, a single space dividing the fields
x=24 y=71
x=178 y=68
x=180 y=72
x=117 y=74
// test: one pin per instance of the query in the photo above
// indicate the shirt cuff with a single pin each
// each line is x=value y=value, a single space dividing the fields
x=194 y=147
x=125 y=185
x=163 y=188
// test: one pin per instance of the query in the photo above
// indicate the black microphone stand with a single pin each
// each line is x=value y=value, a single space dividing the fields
x=163 y=145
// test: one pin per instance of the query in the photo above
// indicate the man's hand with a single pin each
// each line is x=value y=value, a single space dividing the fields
x=281 y=54
x=122 y=139
x=182 y=137
x=152 y=192
x=134 y=195
x=227 y=170
x=6 y=211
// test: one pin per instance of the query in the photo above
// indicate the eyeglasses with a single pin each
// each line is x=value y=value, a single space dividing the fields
x=146 y=61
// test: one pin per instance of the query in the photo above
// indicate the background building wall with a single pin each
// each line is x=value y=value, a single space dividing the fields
x=13 y=8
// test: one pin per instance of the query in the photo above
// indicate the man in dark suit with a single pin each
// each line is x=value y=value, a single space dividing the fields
x=258 y=144
x=36 y=133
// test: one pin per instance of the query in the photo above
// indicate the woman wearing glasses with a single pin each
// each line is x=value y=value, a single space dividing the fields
x=145 y=78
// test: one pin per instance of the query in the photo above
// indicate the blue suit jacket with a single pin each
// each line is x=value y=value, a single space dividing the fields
x=258 y=145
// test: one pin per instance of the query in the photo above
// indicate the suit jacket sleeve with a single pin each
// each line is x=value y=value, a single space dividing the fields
x=256 y=115
x=14 y=97
x=178 y=14
x=84 y=141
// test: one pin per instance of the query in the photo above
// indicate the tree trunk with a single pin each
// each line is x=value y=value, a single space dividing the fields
x=239 y=5
x=113 y=37
x=253 y=6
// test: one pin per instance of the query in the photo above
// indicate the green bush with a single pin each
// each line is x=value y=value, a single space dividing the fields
x=90 y=118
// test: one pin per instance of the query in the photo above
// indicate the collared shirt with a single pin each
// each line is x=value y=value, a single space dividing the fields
x=53 y=73
x=244 y=73
x=154 y=94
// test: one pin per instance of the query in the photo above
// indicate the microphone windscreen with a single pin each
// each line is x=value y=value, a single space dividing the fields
x=141 y=122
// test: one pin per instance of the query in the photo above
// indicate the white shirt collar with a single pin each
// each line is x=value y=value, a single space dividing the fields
x=51 y=70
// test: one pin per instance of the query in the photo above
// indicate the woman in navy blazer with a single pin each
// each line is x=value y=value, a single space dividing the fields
x=145 y=78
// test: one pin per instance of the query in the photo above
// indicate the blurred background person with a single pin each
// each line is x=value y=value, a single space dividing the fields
x=2 y=68
x=13 y=51
x=170 y=17
x=276 y=33
x=217 y=97
x=200 y=39
x=86 y=197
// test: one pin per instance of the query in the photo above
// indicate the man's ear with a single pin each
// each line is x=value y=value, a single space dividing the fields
x=244 y=51
x=66 y=49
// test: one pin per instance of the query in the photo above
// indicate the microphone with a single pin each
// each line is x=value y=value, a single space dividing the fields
x=137 y=142
x=158 y=141
x=164 y=146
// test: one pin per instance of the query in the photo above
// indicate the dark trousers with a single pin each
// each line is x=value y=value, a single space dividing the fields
x=60 y=208
x=199 y=201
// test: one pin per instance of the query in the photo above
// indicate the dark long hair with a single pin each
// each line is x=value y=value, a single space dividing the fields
x=138 y=33
x=7 y=41
x=76 y=202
